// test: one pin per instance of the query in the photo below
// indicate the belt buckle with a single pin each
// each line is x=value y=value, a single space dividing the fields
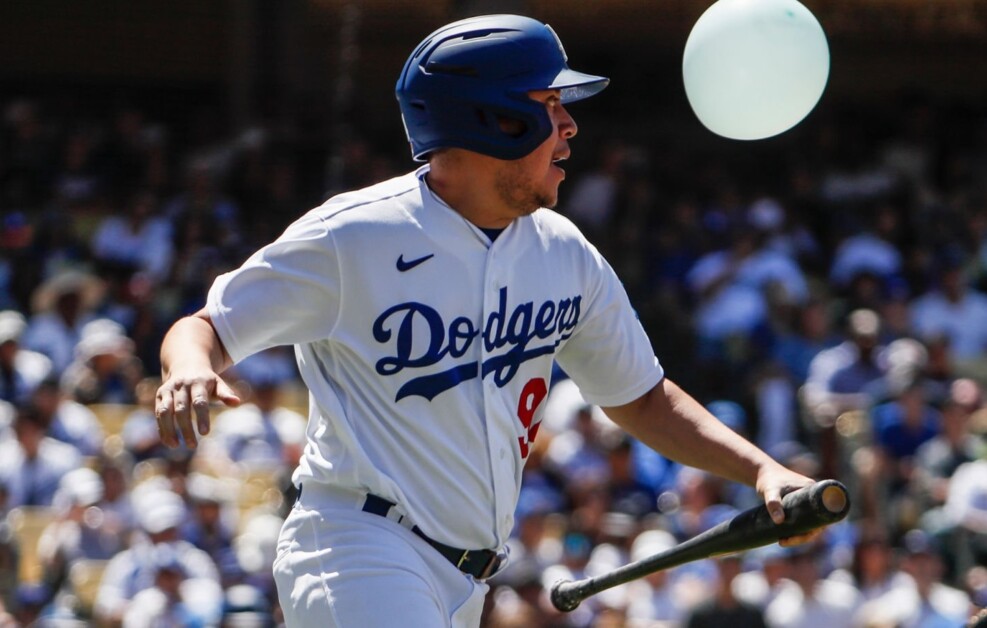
x=462 y=559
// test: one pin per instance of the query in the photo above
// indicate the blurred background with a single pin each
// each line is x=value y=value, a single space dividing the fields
x=823 y=292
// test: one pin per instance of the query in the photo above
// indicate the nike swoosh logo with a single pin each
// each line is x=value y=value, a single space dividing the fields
x=406 y=266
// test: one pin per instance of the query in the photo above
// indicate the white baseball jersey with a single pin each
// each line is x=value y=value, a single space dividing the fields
x=428 y=350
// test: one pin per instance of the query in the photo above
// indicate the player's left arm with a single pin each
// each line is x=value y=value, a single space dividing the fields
x=673 y=423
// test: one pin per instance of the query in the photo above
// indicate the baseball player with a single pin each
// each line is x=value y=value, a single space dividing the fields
x=426 y=313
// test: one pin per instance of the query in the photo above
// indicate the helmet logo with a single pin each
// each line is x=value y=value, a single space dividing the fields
x=558 y=42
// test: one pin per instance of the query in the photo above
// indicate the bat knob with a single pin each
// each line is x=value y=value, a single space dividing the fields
x=563 y=597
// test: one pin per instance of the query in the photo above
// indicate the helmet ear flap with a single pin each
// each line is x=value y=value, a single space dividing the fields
x=521 y=128
x=512 y=127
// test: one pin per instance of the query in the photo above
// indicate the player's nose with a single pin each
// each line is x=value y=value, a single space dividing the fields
x=567 y=125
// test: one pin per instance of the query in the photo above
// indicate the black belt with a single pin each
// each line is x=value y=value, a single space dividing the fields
x=478 y=563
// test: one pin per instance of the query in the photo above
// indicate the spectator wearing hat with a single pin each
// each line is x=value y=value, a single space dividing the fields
x=723 y=608
x=29 y=146
x=32 y=601
x=160 y=512
x=628 y=493
x=688 y=503
x=906 y=359
x=655 y=597
x=937 y=459
x=965 y=512
x=925 y=601
x=810 y=333
x=783 y=230
x=62 y=305
x=246 y=606
x=872 y=251
x=32 y=464
x=955 y=311
x=255 y=548
x=78 y=532
x=203 y=198
x=21 y=370
x=176 y=597
x=211 y=526
x=840 y=379
x=262 y=432
x=875 y=570
x=838 y=376
x=532 y=549
x=105 y=369
x=140 y=429
x=68 y=420
x=734 y=289
x=867 y=364
x=577 y=453
x=604 y=557
x=901 y=426
x=138 y=239
x=809 y=600
x=77 y=180
x=116 y=505
x=575 y=551
x=765 y=575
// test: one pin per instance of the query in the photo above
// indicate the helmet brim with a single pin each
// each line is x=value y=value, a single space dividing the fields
x=577 y=85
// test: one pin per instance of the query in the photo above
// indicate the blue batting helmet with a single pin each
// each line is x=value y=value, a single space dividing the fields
x=465 y=76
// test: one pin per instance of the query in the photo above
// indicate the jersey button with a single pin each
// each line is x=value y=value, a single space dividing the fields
x=503 y=453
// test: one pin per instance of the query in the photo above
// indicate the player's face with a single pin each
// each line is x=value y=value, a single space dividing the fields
x=533 y=181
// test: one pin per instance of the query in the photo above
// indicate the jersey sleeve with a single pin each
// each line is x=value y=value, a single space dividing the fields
x=609 y=356
x=286 y=293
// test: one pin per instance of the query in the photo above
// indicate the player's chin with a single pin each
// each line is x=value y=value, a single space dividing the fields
x=549 y=199
x=550 y=193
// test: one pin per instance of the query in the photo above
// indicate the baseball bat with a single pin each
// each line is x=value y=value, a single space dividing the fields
x=806 y=509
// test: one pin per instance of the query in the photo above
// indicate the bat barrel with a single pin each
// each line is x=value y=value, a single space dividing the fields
x=826 y=501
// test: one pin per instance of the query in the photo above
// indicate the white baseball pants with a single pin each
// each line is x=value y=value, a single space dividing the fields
x=340 y=567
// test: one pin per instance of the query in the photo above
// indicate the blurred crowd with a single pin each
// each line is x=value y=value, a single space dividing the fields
x=825 y=298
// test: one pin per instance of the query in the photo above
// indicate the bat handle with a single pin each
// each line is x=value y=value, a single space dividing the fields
x=565 y=595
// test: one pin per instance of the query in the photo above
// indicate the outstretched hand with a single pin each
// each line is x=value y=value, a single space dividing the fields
x=772 y=484
x=187 y=395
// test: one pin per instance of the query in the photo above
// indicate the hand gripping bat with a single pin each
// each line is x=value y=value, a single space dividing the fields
x=806 y=509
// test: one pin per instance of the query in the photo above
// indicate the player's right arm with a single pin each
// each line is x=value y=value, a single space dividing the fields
x=192 y=356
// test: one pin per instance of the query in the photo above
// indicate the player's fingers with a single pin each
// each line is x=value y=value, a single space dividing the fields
x=183 y=416
x=772 y=501
x=200 y=407
x=226 y=394
x=164 y=413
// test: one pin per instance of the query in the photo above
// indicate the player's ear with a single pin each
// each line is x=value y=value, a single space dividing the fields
x=512 y=127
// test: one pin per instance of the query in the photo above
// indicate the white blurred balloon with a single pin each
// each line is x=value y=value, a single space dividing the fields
x=755 y=68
